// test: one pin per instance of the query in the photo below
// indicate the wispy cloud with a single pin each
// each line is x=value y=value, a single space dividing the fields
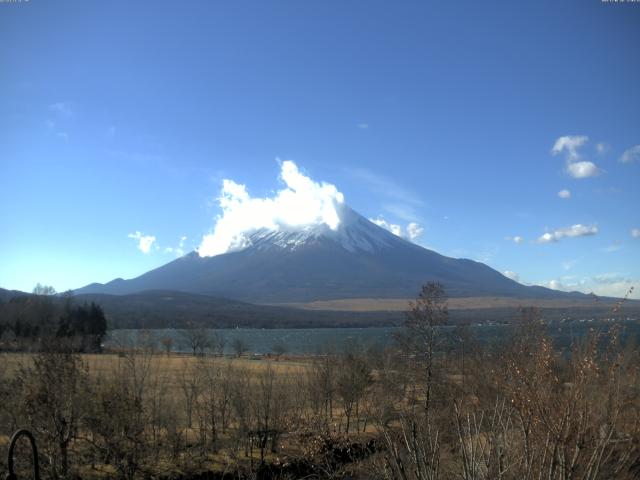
x=63 y=109
x=384 y=186
x=635 y=233
x=362 y=126
x=392 y=227
x=404 y=212
x=631 y=155
x=414 y=231
x=145 y=242
x=570 y=145
x=517 y=239
x=605 y=284
x=179 y=250
x=512 y=275
x=614 y=247
x=411 y=232
x=577 y=230
x=564 y=194
x=556 y=285
x=602 y=148
x=576 y=166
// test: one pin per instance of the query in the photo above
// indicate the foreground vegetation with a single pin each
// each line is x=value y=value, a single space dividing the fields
x=519 y=409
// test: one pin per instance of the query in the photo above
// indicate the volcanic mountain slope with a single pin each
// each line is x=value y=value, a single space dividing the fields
x=357 y=260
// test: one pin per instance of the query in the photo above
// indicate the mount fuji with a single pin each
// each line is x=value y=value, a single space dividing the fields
x=356 y=260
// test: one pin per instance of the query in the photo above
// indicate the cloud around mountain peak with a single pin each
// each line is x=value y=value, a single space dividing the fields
x=301 y=203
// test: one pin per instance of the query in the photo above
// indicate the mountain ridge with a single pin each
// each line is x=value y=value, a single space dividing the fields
x=358 y=259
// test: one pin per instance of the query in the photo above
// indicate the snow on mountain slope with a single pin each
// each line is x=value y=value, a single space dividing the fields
x=354 y=233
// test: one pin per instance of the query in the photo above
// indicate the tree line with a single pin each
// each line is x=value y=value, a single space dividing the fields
x=45 y=319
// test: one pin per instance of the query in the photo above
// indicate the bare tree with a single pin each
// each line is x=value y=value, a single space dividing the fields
x=54 y=398
x=353 y=378
x=426 y=314
x=218 y=342
x=279 y=349
x=167 y=344
x=239 y=346
x=189 y=383
x=197 y=339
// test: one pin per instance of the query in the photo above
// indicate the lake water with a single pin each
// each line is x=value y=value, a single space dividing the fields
x=311 y=341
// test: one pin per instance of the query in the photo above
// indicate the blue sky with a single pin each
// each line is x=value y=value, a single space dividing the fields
x=124 y=117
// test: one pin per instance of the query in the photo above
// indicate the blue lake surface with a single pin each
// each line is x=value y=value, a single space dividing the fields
x=311 y=341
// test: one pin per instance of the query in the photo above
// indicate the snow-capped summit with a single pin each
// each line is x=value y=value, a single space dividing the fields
x=354 y=233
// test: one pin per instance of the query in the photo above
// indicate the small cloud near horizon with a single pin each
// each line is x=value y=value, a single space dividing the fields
x=145 y=242
x=512 y=275
x=577 y=230
x=517 y=239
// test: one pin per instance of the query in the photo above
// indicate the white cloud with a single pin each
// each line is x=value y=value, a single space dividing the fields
x=583 y=169
x=606 y=285
x=392 y=227
x=517 y=239
x=568 y=264
x=635 y=232
x=556 y=285
x=512 y=275
x=363 y=126
x=303 y=202
x=570 y=145
x=577 y=230
x=414 y=231
x=631 y=155
x=613 y=285
x=618 y=289
x=564 y=193
x=575 y=165
x=145 y=242
x=179 y=250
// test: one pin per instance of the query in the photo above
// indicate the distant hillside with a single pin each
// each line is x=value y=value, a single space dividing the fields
x=6 y=295
x=171 y=309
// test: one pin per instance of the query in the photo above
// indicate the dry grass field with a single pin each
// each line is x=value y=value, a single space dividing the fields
x=170 y=366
